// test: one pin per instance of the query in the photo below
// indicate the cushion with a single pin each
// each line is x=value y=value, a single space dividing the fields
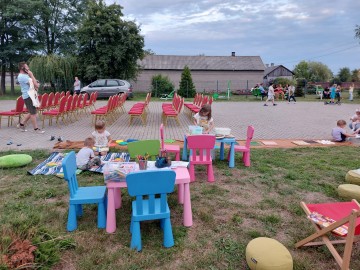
x=353 y=177
x=264 y=253
x=349 y=191
x=15 y=160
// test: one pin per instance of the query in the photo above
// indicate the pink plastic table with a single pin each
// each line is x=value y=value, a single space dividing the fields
x=114 y=198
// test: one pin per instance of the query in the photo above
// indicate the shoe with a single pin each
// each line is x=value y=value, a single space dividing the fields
x=60 y=139
x=21 y=127
x=274 y=104
x=39 y=131
x=265 y=104
x=9 y=143
x=52 y=138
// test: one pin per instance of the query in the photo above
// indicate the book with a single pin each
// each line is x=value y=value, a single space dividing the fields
x=324 y=221
x=117 y=171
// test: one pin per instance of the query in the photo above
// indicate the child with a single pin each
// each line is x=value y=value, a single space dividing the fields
x=86 y=158
x=271 y=95
x=204 y=119
x=291 y=93
x=339 y=134
x=102 y=138
x=355 y=120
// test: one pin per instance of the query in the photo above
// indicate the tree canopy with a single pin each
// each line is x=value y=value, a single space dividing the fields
x=109 y=46
x=344 y=74
x=313 y=71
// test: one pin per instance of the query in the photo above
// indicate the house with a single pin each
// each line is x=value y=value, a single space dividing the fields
x=208 y=73
x=272 y=72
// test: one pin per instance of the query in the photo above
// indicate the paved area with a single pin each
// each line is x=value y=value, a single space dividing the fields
x=303 y=120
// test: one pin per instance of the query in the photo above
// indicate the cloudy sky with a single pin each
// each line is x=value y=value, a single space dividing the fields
x=279 y=31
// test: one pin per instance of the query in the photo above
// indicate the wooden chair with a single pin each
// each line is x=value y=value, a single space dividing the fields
x=57 y=113
x=342 y=213
x=19 y=110
x=150 y=184
x=82 y=195
x=200 y=154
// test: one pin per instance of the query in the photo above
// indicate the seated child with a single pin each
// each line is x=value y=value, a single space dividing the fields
x=339 y=133
x=204 y=119
x=355 y=120
x=102 y=138
x=86 y=159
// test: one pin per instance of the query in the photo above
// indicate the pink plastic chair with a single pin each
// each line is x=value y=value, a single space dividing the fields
x=246 y=149
x=200 y=154
x=168 y=147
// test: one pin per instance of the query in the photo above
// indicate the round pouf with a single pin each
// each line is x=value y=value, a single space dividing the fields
x=15 y=160
x=352 y=177
x=264 y=253
x=349 y=191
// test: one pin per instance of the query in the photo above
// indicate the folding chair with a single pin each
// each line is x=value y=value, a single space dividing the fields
x=343 y=213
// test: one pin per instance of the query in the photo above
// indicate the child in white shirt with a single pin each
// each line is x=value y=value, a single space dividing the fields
x=204 y=119
x=102 y=139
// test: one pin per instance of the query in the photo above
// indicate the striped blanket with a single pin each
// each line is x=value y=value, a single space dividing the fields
x=52 y=165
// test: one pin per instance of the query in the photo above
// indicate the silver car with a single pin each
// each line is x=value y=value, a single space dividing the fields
x=108 y=87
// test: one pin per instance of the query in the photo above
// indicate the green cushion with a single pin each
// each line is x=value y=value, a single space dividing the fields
x=15 y=160
x=349 y=191
x=264 y=253
x=352 y=177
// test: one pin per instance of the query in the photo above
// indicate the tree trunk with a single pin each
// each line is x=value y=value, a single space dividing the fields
x=12 y=86
x=3 y=73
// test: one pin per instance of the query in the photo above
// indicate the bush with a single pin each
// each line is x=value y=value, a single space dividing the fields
x=300 y=85
x=161 y=85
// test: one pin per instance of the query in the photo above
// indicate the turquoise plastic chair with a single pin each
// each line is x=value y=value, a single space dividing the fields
x=82 y=195
x=150 y=183
x=150 y=147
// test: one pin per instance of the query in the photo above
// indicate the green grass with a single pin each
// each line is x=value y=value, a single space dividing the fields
x=243 y=203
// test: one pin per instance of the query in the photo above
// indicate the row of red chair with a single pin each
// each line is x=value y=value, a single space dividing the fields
x=139 y=110
x=111 y=110
x=199 y=101
x=172 y=110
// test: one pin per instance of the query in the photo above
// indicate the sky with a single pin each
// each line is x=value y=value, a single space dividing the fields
x=283 y=32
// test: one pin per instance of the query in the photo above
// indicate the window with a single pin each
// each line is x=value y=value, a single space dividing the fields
x=111 y=83
x=98 y=83
x=121 y=83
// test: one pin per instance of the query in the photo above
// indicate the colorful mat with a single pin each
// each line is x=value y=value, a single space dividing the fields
x=52 y=165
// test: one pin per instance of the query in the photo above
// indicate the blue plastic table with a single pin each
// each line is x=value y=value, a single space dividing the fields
x=222 y=147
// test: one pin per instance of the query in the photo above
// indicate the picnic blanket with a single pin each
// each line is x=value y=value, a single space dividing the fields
x=52 y=165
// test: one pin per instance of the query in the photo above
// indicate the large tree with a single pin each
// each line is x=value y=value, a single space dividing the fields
x=186 y=85
x=109 y=46
x=313 y=71
x=54 y=25
x=344 y=74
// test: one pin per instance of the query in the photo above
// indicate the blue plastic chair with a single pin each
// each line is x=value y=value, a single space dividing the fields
x=82 y=195
x=150 y=183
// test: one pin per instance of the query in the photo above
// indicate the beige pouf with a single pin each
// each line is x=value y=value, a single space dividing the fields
x=264 y=253
x=353 y=177
x=349 y=191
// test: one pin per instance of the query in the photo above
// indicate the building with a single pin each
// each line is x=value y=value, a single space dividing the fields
x=272 y=72
x=208 y=73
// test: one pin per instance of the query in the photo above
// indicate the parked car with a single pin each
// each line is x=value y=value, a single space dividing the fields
x=109 y=87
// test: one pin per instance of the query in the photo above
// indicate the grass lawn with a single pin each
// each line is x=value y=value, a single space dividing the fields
x=243 y=203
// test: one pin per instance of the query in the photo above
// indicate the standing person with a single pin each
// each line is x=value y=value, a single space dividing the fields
x=77 y=86
x=204 y=119
x=23 y=78
x=351 y=92
x=271 y=95
x=291 y=93
x=332 y=93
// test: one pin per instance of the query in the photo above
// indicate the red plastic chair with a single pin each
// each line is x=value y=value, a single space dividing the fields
x=342 y=213
x=246 y=148
x=19 y=110
x=168 y=147
x=200 y=154
x=60 y=112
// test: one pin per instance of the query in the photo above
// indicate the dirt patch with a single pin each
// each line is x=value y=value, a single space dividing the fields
x=20 y=255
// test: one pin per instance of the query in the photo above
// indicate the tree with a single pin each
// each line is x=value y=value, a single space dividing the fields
x=109 y=46
x=355 y=75
x=161 y=85
x=186 y=85
x=55 y=23
x=344 y=74
x=357 y=31
x=301 y=70
x=57 y=70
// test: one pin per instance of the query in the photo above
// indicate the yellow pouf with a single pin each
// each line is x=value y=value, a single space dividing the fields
x=264 y=253
x=353 y=177
x=349 y=191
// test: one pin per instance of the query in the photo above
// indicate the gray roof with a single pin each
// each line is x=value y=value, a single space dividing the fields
x=178 y=62
x=268 y=70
